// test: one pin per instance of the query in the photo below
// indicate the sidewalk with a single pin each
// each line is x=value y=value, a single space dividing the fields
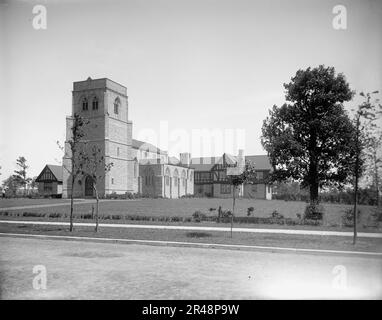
x=195 y=228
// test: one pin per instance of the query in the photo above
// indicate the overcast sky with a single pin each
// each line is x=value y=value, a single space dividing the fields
x=200 y=64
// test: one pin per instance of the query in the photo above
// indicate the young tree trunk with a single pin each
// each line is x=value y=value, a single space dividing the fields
x=233 y=207
x=355 y=207
x=71 y=206
x=376 y=177
x=97 y=207
x=356 y=173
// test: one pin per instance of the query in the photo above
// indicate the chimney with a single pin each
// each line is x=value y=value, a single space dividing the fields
x=185 y=158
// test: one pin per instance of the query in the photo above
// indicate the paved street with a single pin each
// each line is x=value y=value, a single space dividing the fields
x=88 y=270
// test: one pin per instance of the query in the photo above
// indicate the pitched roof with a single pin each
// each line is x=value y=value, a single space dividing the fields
x=203 y=163
x=206 y=163
x=228 y=159
x=56 y=171
x=145 y=146
x=261 y=162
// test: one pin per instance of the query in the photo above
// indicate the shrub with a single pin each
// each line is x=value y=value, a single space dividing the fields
x=250 y=210
x=376 y=214
x=33 y=214
x=347 y=217
x=186 y=196
x=198 y=234
x=198 y=216
x=277 y=215
x=54 y=215
x=314 y=212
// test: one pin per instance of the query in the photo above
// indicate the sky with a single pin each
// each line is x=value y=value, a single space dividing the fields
x=192 y=65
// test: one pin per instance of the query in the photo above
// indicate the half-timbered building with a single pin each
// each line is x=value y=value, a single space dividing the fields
x=50 y=181
x=211 y=177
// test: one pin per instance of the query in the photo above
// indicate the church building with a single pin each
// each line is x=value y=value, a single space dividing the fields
x=137 y=167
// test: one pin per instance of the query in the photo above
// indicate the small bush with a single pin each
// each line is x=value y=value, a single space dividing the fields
x=198 y=234
x=198 y=216
x=277 y=215
x=250 y=210
x=376 y=214
x=347 y=217
x=314 y=212
x=54 y=215
x=33 y=214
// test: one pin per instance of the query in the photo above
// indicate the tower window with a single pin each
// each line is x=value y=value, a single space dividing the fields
x=117 y=102
x=112 y=180
x=85 y=104
x=95 y=103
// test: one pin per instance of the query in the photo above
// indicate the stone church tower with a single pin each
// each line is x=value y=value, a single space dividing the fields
x=104 y=103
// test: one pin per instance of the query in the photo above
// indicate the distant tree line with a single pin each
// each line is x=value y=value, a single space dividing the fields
x=18 y=183
x=293 y=192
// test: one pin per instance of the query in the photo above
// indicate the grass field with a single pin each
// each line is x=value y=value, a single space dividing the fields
x=18 y=202
x=258 y=239
x=186 y=207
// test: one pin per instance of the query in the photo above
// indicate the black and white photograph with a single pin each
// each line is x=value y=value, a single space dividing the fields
x=191 y=155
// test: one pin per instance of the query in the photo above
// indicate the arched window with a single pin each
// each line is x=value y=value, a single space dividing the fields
x=95 y=103
x=176 y=177
x=84 y=104
x=149 y=176
x=167 y=177
x=117 y=102
x=183 y=178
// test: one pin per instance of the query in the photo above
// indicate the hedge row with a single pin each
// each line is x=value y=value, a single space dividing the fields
x=205 y=218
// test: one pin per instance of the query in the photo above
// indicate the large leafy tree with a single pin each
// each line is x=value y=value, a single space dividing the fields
x=309 y=138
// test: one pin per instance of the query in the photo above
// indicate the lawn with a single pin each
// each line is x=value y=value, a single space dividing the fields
x=239 y=238
x=186 y=207
x=18 y=202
